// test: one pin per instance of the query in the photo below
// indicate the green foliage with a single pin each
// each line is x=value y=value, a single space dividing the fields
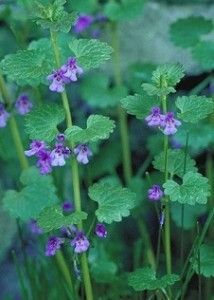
x=38 y=192
x=187 y=32
x=206 y=261
x=164 y=78
x=201 y=136
x=83 y=6
x=124 y=10
x=145 y=279
x=104 y=96
x=103 y=269
x=194 y=189
x=204 y=54
x=90 y=53
x=175 y=165
x=52 y=15
x=194 y=108
x=190 y=216
x=52 y=218
x=139 y=105
x=42 y=122
x=114 y=202
x=98 y=128
x=26 y=67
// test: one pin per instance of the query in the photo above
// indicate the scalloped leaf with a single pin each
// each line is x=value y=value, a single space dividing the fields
x=206 y=261
x=41 y=123
x=90 y=53
x=139 y=105
x=175 y=164
x=114 y=201
x=98 y=128
x=187 y=32
x=194 y=189
x=145 y=279
x=38 y=192
x=204 y=54
x=52 y=218
x=194 y=108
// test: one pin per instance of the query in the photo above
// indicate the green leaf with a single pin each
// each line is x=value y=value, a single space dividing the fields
x=204 y=54
x=125 y=10
x=98 y=128
x=187 y=32
x=114 y=202
x=206 y=261
x=41 y=123
x=82 y=6
x=194 y=108
x=194 y=189
x=175 y=165
x=26 y=67
x=190 y=216
x=164 y=78
x=90 y=53
x=139 y=105
x=96 y=92
x=52 y=218
x=103 y=269
x=53 y=15
x=38 y=192
x=201 y=136
x=145 y=279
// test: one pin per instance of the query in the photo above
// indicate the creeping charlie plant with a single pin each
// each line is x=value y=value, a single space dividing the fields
x=102 y=180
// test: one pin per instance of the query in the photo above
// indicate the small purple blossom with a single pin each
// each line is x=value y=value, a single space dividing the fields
x=4 y=115
x=59 y=80
x=71 y=69
x=170 y=124
x=34 y=227
x=60 y=138
x=68 y=206
x=53 y=244
x=23 y=104
x=100 y=230
x=82 y=23
x=44 y=162
x=58 y=155
x=82 y=153
x=155 y=193
x=155 y=119
x=35 y=147
x=80 y=243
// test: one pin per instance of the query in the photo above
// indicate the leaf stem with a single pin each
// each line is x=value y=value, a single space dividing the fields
x=126 y=152
x=75 y=173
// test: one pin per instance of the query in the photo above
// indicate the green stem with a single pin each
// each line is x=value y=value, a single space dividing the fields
x=198 y=88
x=75 y=173
x=126 y=152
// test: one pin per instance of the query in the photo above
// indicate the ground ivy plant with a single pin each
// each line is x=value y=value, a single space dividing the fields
x=78 y=187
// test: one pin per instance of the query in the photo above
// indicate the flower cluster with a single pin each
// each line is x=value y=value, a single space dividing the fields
x=48 y=158
x=23 y=104
x=65 y=74
x=167 y=123
x=155 y=193
x=84 y=22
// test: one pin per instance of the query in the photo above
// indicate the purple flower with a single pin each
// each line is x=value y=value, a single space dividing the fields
x=44 y=162
x=71 y=69
x=60 y=138
x=35 y=147
x=155 y=119
x=34 y=227
x=68 y=206
x=4 y=115
x=58 y=81
x=82 y=23
x=53 y=244
x=80 y=243
x=100 y=231
x=82 y=153
x=23 y=104
x=155 y=193
x=59 y=154
x=170 y=124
